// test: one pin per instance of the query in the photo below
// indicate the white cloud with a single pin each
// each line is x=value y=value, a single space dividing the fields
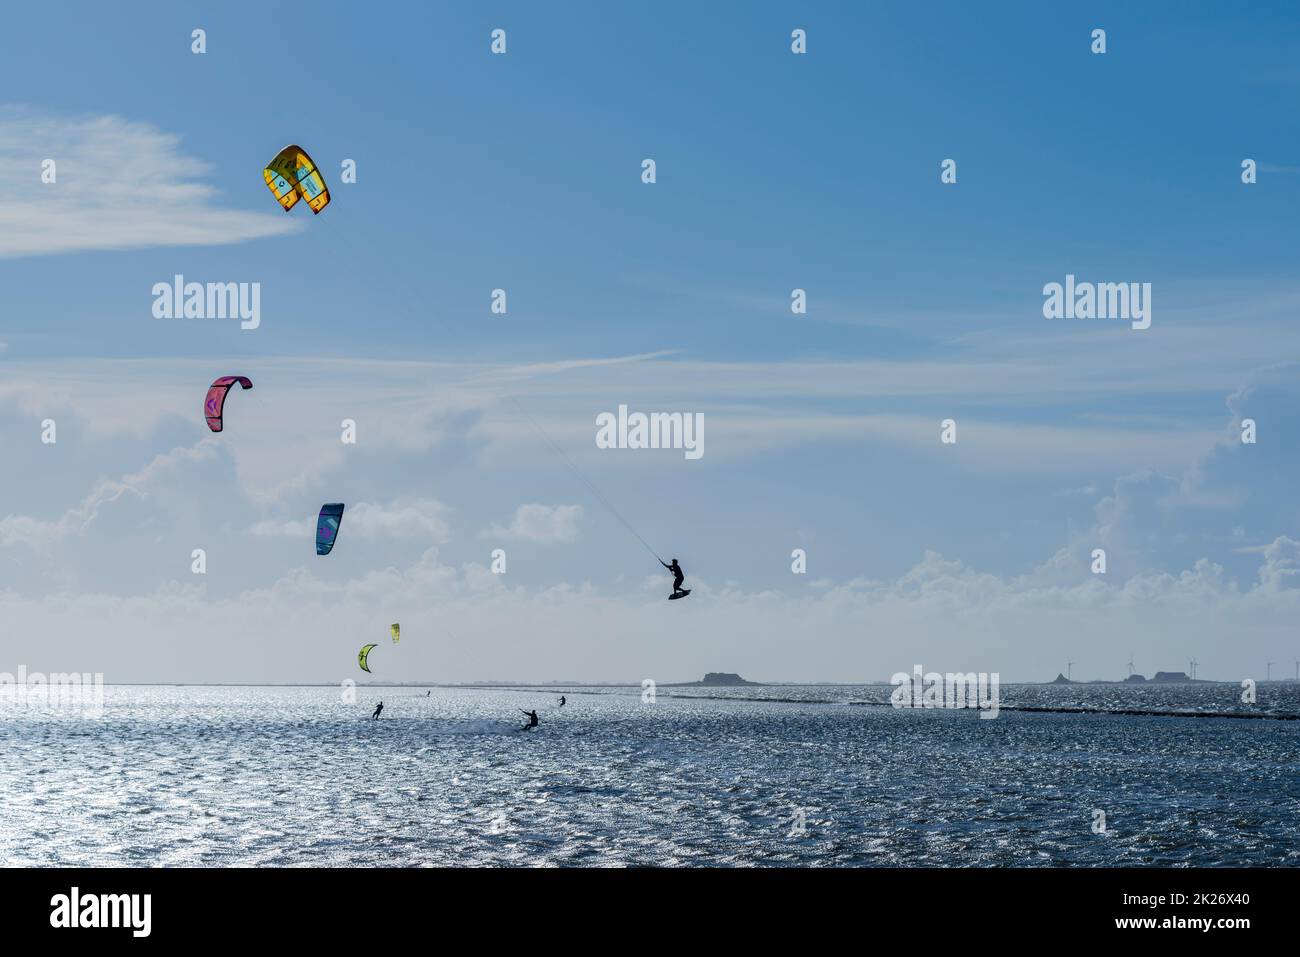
x=23 y=529
x=1281 y=568
x=544 y=524
x=284 y=435
x=120 y=185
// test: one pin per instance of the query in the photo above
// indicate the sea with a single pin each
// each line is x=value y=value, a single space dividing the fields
x=790 y=776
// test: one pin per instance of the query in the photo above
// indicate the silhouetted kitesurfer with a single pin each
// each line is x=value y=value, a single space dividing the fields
x=532 y=719
x=375 y=716
x=679 y=576
x=561 y=701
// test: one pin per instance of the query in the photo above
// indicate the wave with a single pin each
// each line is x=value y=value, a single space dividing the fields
x=1132 y=712
x=468 y=726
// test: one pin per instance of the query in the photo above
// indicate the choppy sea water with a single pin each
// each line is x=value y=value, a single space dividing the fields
x=808 y=776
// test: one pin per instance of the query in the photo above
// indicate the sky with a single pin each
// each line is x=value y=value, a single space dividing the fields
x=476 y=431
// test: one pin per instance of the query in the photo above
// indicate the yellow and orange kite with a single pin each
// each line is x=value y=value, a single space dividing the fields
x=293 y=174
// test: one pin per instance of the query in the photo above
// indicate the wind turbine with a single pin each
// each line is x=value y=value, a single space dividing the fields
x=1269 y=674
x=1069 y=670
x=1194 y=664
x=1130 y=666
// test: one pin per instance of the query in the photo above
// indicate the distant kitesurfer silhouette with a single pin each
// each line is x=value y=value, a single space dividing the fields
x=375 y=716
x=561 y=701
x=532 y=719
x=678 y=577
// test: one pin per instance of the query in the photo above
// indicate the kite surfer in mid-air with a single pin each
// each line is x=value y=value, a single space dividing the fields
x=532 y=720
x=678 y=577
x=375 y=716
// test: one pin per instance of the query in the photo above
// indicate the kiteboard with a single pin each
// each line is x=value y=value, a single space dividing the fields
x=680 y=594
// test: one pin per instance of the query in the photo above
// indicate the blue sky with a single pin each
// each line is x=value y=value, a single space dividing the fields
x=775 y=171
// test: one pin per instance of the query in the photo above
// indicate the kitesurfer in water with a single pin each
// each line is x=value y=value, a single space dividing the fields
x=532 y=719
x=375 y=716
x=561 y=701
x=678 y=575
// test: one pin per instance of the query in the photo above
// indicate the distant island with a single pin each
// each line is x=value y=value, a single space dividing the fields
x=718 y=679
x=1161 y=677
